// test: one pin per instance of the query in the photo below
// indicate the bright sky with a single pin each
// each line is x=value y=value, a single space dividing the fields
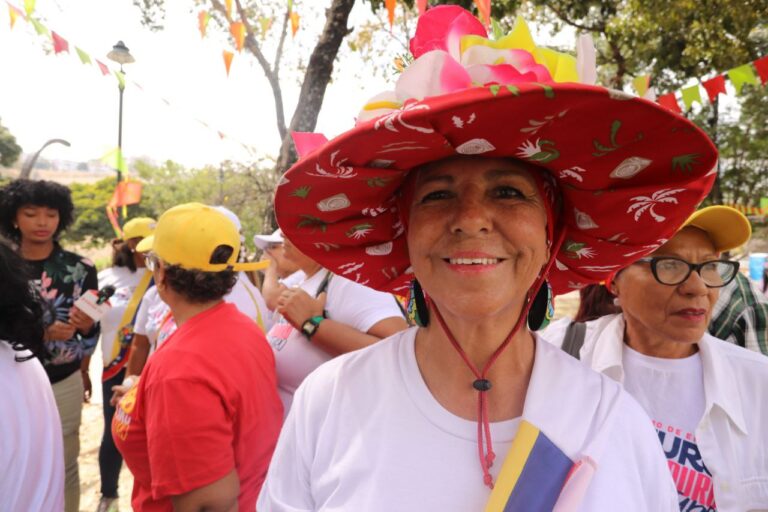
x=45 y=96
x=55 y=96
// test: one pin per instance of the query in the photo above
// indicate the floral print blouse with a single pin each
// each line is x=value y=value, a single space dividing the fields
x=61 y=279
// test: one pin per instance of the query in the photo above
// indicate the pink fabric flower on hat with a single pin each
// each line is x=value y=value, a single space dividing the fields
x=452 y=52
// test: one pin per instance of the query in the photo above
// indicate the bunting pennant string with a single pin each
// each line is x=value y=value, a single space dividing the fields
x=29 y=6
x=264 y=24
x=228 y=7
x=60 y=45
x=294 y=23
x=390 y=4
x=690 y=95
x=14 y=13
x=738 y=76
x=237 y=29
x=103 y=67
x=484 y=9
x=742 y=75
x=641 y=84
x=761 y=65
x=83 y=56
x=227 y=59
x=203 y=17
x=714 y=87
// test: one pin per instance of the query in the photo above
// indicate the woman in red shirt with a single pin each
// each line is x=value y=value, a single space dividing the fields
x=199 y=428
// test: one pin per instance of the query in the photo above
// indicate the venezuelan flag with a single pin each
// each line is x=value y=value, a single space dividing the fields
x=532 y=475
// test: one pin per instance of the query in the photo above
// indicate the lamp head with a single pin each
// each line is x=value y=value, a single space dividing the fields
x=120 y=54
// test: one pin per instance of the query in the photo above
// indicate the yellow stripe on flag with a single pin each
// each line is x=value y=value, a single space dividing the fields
x=513 y=466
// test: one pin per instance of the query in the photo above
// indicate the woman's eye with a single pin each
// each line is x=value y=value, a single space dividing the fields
x=435 y=195
x=506 y=192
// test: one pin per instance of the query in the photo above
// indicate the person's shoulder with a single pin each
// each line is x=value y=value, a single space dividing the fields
x=735 y=355
x=360 y=367
x=565 y=368
x=73 y=258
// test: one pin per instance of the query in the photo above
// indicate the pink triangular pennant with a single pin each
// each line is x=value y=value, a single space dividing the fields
x=421 y=6
x=306 y=142
x=59 y=43
x=103 y=67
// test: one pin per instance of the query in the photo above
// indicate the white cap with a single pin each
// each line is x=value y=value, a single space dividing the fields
x=231 y=216
x=262 y=241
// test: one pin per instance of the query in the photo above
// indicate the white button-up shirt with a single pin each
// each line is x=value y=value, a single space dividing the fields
x=732 y=434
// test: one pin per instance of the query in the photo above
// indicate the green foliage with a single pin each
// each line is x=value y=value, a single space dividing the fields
x=9 y=149
x=244 y=189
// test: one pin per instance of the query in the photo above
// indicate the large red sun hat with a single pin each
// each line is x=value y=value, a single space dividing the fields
x=629 y=171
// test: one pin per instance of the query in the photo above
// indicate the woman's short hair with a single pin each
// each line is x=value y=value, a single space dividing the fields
x=198 y=286
x=23 y=192
x=21 y=315
x=122 y=255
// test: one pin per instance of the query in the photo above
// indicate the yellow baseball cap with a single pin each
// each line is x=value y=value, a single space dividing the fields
x=187 y=235
x=140 y=227
x=727 y=227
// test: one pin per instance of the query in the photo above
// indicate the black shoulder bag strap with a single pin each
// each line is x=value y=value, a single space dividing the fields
x=574 y=338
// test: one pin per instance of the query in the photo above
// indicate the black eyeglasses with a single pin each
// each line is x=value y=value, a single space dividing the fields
x=673 y=271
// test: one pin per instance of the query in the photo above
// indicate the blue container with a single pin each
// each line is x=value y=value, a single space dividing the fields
x=757 y=265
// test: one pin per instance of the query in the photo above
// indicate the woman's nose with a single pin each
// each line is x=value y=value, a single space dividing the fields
x=472 y=216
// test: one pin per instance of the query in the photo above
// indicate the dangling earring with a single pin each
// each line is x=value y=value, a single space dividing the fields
x=417 y=309
x=543 y=308
x=616 y=302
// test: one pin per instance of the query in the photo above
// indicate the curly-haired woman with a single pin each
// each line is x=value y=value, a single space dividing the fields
x=33 y=214
x=31 y=476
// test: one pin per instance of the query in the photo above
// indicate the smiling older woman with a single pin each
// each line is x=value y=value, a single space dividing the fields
x=485 y=200
x=706 y=397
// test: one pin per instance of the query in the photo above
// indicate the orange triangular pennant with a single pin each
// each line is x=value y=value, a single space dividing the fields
x=294 y=23
x=484 y=9
x=202 y=22
x=227 y=59
x=237 y=29
x=390 y=11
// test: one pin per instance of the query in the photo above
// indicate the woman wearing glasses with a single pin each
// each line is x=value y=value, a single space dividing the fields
x=706 y=397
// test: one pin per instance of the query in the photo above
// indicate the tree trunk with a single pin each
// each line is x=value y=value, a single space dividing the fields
x=316 y=79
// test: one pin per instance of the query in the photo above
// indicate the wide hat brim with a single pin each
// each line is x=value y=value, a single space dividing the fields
x=629 y=171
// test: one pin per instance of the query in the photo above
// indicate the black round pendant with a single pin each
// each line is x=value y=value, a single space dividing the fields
x=482 y=384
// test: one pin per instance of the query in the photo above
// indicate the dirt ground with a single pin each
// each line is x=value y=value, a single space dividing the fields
x=91 y=430
x=93 y=424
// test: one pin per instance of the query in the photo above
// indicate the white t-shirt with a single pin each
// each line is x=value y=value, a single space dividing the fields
x=365 y=433
x=672 y=393
x=250 y=302
x=347 y=302
x=154 y=319
x=294 y=279
x=125 y=282
x=31 y=443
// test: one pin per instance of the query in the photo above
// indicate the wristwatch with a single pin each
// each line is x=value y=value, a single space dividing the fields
x=309 y=328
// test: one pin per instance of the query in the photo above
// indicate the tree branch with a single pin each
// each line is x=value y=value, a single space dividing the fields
x=316 y=78
x=600 y=28
x=255 y=49
x=283 y=32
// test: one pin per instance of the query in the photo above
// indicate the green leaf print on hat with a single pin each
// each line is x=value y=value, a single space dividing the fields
x=685 y=163
x=603 y=150
x=308 y=221
x=301 y=192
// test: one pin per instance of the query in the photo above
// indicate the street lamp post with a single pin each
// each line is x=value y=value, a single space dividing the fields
x=121 y=55
x=26 y=170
